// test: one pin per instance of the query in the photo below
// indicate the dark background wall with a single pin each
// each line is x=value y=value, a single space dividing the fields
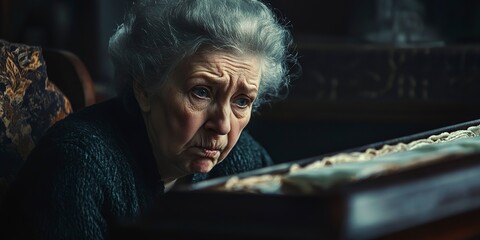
x=372 y=69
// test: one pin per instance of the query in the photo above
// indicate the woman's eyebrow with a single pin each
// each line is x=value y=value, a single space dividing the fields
x=206 y=77
x=215 y=80
x=250 y=89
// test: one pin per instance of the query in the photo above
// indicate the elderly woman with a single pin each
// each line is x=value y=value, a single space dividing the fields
x=192 y=71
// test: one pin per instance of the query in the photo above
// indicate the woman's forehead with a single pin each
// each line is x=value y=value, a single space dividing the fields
x=220 y=63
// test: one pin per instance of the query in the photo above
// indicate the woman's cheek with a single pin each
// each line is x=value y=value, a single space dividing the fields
x=184 y=121
x=178 y=122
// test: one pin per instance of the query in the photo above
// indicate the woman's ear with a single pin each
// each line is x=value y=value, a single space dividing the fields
x=141 y=96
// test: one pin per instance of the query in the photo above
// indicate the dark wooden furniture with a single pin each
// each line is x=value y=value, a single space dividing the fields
x=69 y=73
x=436 y=201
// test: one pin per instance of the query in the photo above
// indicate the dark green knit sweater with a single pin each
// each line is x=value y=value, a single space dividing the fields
x=96 y=167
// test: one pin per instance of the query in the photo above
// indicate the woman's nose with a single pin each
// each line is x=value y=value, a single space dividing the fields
x=219 y=120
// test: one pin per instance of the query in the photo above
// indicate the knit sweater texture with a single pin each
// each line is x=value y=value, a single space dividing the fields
x=94 y=168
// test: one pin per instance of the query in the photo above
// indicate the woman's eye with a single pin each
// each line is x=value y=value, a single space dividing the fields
x=242 y=102
x=201 y=92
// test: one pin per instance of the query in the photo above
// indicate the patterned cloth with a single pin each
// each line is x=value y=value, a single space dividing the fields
x=29 y=103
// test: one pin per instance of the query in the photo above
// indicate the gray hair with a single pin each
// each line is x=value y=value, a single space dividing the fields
x=157 y=35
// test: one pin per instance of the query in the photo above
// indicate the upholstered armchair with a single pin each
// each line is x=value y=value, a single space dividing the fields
x=29 y=102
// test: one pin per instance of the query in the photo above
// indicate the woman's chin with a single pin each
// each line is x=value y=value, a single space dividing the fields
x=203 y=165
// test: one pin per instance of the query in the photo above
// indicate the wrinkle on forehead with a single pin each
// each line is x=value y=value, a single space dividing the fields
x=225 y=65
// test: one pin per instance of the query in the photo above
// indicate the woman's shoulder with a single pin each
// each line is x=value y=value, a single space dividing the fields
x=247 y=142
x=78 y=146
x=84 y=138
x=250 y=150
x=92 y=125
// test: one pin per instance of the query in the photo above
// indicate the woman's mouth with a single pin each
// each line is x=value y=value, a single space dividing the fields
x=211 y=153
x=206 y=152
x=203 y=158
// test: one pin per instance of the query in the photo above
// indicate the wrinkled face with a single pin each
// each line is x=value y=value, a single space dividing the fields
x=196 y=118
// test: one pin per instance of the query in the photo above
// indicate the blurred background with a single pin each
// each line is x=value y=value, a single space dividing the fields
x=372 y=70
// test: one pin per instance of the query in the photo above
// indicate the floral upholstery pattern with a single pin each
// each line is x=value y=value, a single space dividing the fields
x=29 y=103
